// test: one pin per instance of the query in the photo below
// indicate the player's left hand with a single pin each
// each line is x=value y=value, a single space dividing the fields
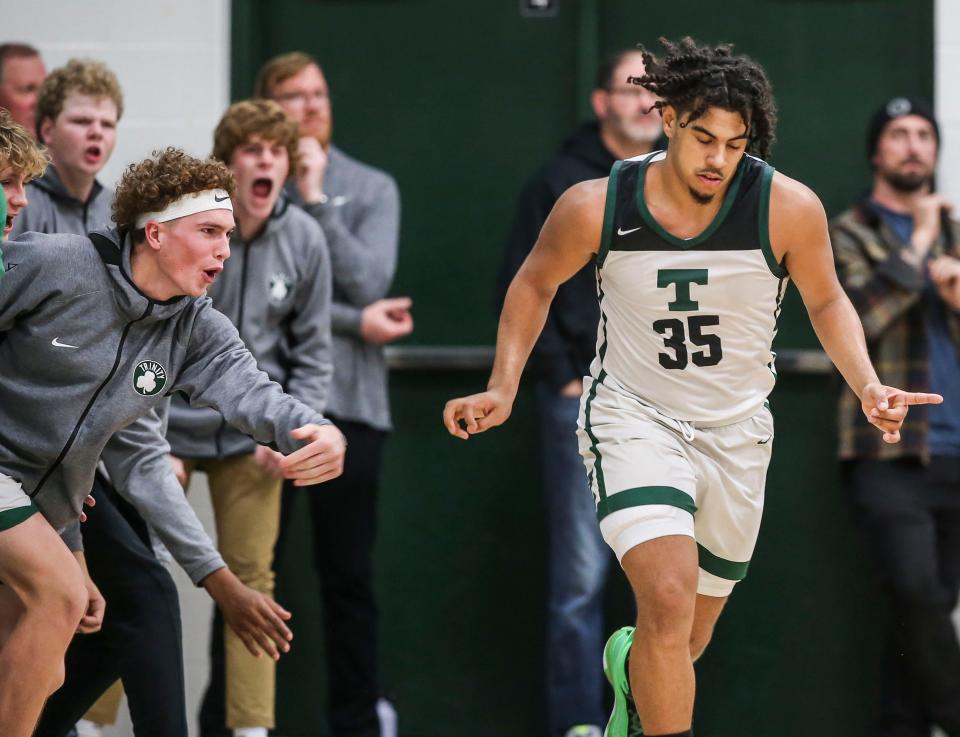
x=320 y=460
x=886 y=407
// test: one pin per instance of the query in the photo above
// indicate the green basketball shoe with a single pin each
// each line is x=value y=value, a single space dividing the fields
x=624 y=720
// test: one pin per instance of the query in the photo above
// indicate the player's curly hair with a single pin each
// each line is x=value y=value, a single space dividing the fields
x=168 y=175
x=263 y=118
x=18 y=150
x=694 y=78
x=86 y=76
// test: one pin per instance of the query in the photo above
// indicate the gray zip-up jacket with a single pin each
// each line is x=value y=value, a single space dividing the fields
x=52 y=209
x=84 y=353
x=276 y=290
x=361 y=221
x=139 y=451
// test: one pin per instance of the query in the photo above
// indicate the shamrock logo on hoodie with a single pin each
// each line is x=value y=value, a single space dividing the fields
x=149 y=378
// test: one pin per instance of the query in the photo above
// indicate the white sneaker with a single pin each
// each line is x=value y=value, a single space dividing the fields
x=86 y=728
x=584 y=730
x=250 y=732
x=388 y=718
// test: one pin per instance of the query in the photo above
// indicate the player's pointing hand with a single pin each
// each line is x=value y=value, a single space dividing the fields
x=466 y=416
x=886 y=407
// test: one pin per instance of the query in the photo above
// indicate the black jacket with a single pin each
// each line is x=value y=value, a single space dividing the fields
x=569 y=338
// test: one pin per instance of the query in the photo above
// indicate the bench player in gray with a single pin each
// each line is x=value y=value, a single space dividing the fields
x=95 y=332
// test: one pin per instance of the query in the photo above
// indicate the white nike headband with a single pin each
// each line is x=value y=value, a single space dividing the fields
x=189 y=204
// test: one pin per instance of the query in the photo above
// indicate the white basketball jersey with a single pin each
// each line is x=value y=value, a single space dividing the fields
x=686 y=326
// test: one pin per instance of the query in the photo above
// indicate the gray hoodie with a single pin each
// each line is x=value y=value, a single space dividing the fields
x=361 y=221
x=84 y=353
x=135 y=459
x=52 y=209
x=276 y=290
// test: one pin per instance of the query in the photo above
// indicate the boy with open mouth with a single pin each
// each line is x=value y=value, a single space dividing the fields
x=277 y=291
x=78 y=110
x=94 y=332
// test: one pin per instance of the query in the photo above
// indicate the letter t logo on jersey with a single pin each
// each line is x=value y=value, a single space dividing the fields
x=682 y=278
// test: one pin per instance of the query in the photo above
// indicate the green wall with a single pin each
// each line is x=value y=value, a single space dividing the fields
x=462 y=101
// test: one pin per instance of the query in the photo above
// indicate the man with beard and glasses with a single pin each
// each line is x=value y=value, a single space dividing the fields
x=276 y=291
x=898 y=260
x=693 y=247
x=627 y=125
x=358 y=209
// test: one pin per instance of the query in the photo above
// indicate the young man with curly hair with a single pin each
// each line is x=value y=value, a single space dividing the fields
x=95 y=332
x=692 y=248
x=78 y=109
x=21 y=160
x=276 y=290
x=140 y=640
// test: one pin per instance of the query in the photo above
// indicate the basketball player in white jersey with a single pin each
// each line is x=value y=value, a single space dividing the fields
x=693 y=248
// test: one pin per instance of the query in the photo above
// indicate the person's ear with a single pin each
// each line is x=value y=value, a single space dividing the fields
x=152 y=233
x=600 y=102
x=670 y=120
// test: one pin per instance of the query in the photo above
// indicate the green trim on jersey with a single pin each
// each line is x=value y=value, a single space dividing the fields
x=721 y=567
x=594 y=442
x=13 y=517
x=609 y=208
x=717 y=221
x=776 y=269
x=641 y=496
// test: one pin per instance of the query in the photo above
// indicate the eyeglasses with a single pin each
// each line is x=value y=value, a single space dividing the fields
x=301 y=98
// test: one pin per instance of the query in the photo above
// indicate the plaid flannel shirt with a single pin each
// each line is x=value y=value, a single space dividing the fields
x=887 y=292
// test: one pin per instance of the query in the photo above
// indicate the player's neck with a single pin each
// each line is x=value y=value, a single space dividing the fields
x=894 y=199
x=622 y=148
x=146 y=275
x=79 y=184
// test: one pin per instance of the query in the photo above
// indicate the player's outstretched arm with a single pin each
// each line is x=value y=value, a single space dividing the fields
x=799 y=235
x=567 y=242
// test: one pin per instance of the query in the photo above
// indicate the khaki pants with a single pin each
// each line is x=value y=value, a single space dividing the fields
x=246 y=504
x=107 y=707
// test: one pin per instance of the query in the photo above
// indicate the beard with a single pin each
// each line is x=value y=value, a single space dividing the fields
x=906 y=182
x=637 y=132
x=315 y=128
x=700 y=198
x=642 y=133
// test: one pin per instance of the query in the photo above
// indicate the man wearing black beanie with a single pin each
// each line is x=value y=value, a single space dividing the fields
x=897 y=256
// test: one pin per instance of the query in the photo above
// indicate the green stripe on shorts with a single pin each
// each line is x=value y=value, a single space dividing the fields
x=13 y=517
x=601 y=488
x=721 y=567
x=644 y=495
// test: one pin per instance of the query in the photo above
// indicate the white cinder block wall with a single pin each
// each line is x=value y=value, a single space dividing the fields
x=947 y=91
x=947 y=64
x=173 y=62
x=172 y=59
